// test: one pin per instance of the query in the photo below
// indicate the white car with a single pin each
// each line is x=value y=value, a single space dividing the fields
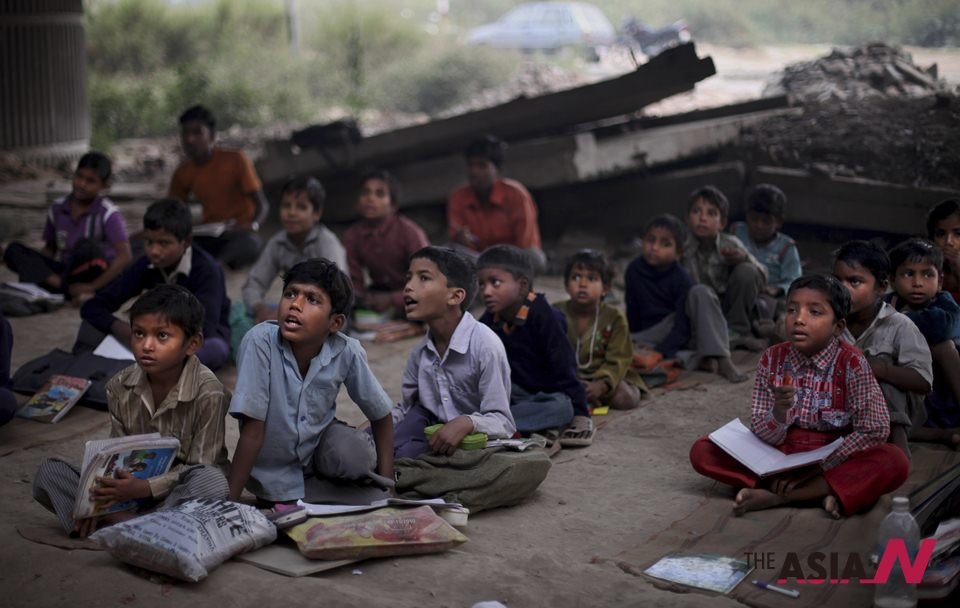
x=547 y=26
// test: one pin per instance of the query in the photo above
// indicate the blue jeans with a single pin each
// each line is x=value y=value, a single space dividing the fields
x=540 y=411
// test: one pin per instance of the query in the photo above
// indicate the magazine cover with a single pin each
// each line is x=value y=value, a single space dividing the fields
x=54 y=400
x=704 y=571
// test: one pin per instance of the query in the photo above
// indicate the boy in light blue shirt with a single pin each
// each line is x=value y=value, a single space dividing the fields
x=289 y=374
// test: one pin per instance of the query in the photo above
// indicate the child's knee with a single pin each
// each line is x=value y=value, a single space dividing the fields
x=345 y=453
x=747 y=275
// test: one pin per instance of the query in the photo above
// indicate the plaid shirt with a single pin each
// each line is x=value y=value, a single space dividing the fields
x=836 y=393
x=709 y=267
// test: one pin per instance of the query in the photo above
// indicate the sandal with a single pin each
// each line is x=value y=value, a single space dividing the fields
x=579 y=434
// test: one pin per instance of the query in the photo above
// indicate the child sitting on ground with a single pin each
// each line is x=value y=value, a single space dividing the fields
x=721 y=262
x=599 y=334
x=8 y=401
x=668 y=312
x=917 y=279
x=167 y=391
x=380 y=245
x=943 y=228
x=169 y=258
x=289 y=373
x=894 y=347
x=303 y=237
x=546 y=394
x=458 y=375
x=85 y=238
x=809 y=391
x=778 y=252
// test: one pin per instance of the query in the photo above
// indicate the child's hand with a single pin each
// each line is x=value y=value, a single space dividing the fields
x=124 y=488
x=785 y=483
x=378 y=302
x=448 y=437
x=879 y=366
x=595 y=390
x=733 y=255
x=85 y=527
x=466 y=238
x=783 y=399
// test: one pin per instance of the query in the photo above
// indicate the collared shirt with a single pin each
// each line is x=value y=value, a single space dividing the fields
x=509 y=217
x=295 y=408
x=938 y=320
x=101 y=221
x=780 y=256
x=194 y=412
x=893 y=335
x=472 y=378
x=222 y=185
x=383 y=250
x=281 y=254
x=836 y=393
x=183 y=267
x=709 y=267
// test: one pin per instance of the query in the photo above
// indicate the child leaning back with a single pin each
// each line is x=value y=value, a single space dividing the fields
x=809 y=391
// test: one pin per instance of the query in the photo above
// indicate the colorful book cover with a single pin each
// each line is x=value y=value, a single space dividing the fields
x=54 y=400
x=703 y=571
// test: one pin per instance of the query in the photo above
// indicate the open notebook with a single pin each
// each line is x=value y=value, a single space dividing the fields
x=761 y=457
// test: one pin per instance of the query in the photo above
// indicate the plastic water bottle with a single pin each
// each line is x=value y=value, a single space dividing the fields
x=897 y=593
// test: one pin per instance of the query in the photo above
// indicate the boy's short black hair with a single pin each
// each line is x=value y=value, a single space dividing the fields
x=768 y=200
x=712 y=195
x=175 y=304
x=591 y=259
x=869 y=255
x=201 y=114
x=671 y=224
x=99 y=162
x=310 y=186
x=327 y=276
x=171 y=215
x=459 y=270
x=514 y=260
x=488 y=148
x=940 y=212
x=828 y=285
x=393 y=186
x=916 y=250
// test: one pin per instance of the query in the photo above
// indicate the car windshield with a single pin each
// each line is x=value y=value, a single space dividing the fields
x=522 y=14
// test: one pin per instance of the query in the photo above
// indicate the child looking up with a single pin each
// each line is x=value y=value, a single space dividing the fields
x=943 y=228
x=894 y=347
x=289 y=373
x=831 y=393
x=668 y=312
x=721 y=262
x=380 y=244
x=85 y=238
x=546 y=392
x=458 y=374
x=167 y=391
x=917 y=279
x=599 y=334
x=303 y=237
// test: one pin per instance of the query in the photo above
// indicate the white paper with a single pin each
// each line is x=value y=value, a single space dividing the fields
x=761 y=457
x=32 y=291
x=111 y=348
x=322 y=510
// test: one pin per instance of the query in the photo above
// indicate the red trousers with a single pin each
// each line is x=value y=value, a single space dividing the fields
x=857 y=482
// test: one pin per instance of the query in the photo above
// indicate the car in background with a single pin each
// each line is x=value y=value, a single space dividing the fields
x=547 y=26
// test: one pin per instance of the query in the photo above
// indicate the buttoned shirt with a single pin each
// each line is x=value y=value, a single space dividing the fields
x=382 y=249
x=709 y=267
x=472 y=378
x=295 y=408
x=779 y=255
x=100 y=221
x=183 y=267
x=893 y=335
x=835 y=394
x=194 y=412
x=281 y=254
x=508 y=217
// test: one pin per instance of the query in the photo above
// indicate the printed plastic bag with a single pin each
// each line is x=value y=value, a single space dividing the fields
x=190 y=540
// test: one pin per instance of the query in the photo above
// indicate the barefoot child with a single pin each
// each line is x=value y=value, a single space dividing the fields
x=831 y=392
x=599 y=334
x=668 y=312
x=546 y=393
x=894 y=347
x=943 y=228
x=917 y=281
x=289 y=373
x=458 y=374
x=167 y=391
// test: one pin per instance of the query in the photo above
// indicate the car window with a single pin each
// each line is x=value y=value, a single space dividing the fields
x=521 y=14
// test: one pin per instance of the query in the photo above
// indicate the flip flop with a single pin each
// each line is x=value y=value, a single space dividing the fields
x=579 y=434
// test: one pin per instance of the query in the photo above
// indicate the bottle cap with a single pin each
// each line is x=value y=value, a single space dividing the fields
x=901 y=501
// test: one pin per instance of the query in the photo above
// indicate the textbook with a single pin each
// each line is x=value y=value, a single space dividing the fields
x=701 y=570
x=144 y=456
x=54 y=400
x=761 y=457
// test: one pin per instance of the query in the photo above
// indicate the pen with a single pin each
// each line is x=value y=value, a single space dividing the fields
x=769 y=587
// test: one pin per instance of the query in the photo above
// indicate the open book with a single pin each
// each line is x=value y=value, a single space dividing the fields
x=54 y=400
x=761 y=457
x=144 y=456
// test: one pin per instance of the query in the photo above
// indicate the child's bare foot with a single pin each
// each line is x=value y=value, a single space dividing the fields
x=831 y=506
x=709 y=365
x=755 y=499
x=728 y=370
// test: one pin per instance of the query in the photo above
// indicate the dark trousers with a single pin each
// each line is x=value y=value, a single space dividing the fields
x=8 y=402
x=87 y=262
x=234 y=249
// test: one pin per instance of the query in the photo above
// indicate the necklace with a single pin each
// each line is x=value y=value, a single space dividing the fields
x=593 y=339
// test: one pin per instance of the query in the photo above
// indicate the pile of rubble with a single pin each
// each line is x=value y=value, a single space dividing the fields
x=872 y=70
